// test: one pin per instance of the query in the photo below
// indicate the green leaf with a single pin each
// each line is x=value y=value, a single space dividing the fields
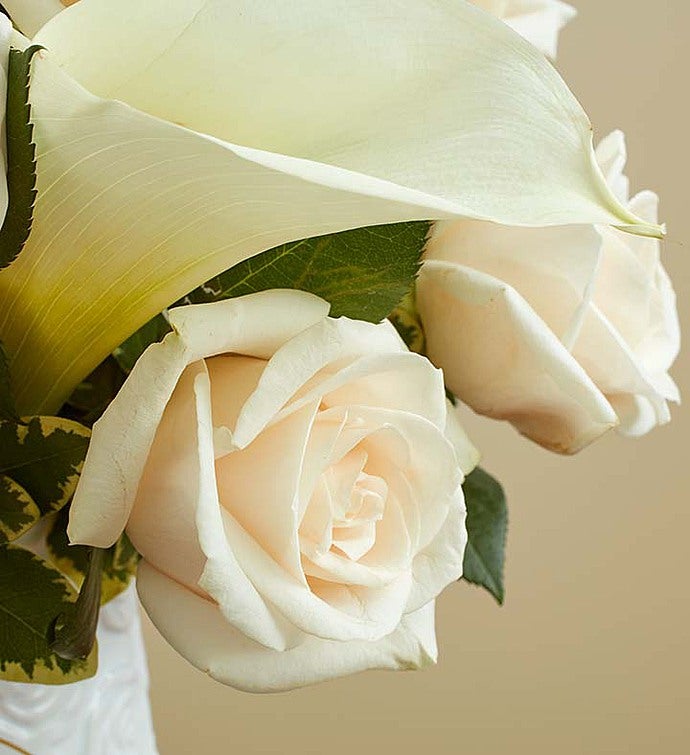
x=7 y=408
x=21 y=157
x=118 y=567
x=18 y=511
x=487 y=524
x=129 y=352
x=75 y=629
x=32 y=594
x=93 y=396
x=44 y=457
x=363 y=273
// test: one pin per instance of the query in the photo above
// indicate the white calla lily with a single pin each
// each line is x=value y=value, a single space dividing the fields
x=178 y=137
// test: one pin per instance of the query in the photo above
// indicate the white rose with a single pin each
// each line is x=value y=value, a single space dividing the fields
x=566 y=332
x=538 y=21
x=176 y=138
x=290 y=483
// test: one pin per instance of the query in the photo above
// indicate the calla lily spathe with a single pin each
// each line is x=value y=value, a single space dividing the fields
x=178 y=137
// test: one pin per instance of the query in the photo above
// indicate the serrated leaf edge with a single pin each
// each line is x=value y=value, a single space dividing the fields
x=26 y=57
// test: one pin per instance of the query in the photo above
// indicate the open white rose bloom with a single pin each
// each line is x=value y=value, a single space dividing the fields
x=566 y=332
x=175 y=138
x=291 y=488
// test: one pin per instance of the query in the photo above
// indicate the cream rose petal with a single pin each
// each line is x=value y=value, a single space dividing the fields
x=521 y=371
x=423 y=455
x=197 y=630
x=176 y=522
x=332 y=142
x=554 y=269
x=163 y=519
x=121 y=441
x=223 y=579
x=611 y=363
x=467 y=454
x=632 y=272
x=397 y=381
x=259 y=485
x=379 y=611
x=326 y=342
x=441 y=562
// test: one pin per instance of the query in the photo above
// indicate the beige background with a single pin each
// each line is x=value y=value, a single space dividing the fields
x=590 y=652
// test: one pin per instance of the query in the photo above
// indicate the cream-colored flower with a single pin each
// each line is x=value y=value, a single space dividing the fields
x=566 y=332
x=178 y=137
x=293 y=485
x=538 y=21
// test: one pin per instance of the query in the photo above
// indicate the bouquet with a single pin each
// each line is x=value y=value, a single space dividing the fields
x=255 y=258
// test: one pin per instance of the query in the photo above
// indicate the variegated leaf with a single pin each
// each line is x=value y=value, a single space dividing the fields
x=32 y=595
x=44 y=456
x=18 y=511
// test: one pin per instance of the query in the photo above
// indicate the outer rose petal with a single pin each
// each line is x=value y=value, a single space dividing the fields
x=254 y=325
x=467 y=453
x=493 y=133
x=196 y=629
x=520 y=370
x=554 y=269
x=441 y=562
x=162 y=524
x=177 y=523
x=612 y=364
